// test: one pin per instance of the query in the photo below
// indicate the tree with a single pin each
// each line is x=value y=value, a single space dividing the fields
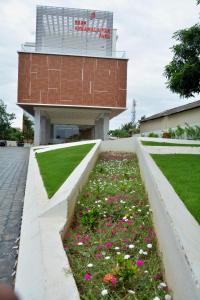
x=126 y=130
x=183 y=72
x=28 y=132
x=5 y=120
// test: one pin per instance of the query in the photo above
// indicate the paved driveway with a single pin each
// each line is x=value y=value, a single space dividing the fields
x=13 y=171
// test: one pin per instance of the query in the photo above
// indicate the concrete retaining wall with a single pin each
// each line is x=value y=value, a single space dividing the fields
x=178 y=232
x=43 y=270
x=121 y=145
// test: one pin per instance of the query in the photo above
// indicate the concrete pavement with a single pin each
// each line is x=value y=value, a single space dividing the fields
x=13 y=171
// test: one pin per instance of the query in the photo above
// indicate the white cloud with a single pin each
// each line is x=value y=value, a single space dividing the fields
x=145 y=31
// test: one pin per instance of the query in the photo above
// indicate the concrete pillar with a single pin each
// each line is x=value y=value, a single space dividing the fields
x=45 y=130
x=106 y=126
x=37 y=128
x=42 y=128
x=102 y=127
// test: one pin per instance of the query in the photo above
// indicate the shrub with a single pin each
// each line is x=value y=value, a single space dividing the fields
x=179 y=132
x=166 y=135
x=152 y=134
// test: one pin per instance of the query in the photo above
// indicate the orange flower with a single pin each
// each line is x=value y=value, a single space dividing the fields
x=110 y=278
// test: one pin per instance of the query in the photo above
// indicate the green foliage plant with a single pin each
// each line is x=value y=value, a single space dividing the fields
x=5 y=120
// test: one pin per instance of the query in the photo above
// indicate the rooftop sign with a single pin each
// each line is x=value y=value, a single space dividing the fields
x=78 y=29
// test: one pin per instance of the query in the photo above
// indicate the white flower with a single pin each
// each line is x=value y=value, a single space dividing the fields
x=156 y=298
x=107 y=257
x=131 y=246
x=131 y=292
x=162 y=285
x=104 y=292
x=80 y=243
x=139 y=210
x=145 y=252
x=149 y=246
x=141 y=251
x=90 y=265
x=146 y=271
x=118 y=253
x=117 y=248
x=168 y=297
x=126 y=256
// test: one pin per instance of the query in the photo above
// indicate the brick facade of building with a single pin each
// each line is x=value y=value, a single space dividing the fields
x=72 y=80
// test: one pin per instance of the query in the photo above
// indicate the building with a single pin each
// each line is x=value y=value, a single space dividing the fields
x=72 y=79
x=171 y=118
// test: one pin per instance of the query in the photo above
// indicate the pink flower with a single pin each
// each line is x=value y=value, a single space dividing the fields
x=98 y=255
x=108 y=224
x=113 y=232
x=86 y=237
x=126 y=241
x=78 y=236
x=114 y=280
x=147 y=239
x=108 y=245
x=88 y=276
x=139 y=263
x=99 y=247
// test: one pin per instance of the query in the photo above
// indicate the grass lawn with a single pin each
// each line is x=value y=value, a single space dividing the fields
x=152 y=143
x=183 y=172
x=56 y=165
x=112 y=245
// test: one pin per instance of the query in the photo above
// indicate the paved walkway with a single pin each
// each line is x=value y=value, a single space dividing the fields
x=13 y=171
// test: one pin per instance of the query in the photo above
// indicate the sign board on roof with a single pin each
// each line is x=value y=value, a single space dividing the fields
x=74 y=29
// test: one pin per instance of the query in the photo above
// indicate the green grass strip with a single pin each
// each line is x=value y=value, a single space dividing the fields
x=151 y=143
x=183 y=172
x=56 y=165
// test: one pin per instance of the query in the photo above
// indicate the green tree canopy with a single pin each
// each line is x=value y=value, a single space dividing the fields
x=183 y=72
x=27 y=128
x=5 y=120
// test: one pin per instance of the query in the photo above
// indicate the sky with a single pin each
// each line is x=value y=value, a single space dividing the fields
x=145 y=29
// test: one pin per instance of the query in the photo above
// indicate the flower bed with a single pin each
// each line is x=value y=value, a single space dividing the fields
x=112 y=245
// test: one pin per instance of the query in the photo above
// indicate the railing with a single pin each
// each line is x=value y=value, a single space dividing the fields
x=73 y=51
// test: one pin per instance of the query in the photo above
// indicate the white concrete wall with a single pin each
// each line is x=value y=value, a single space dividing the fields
x=177 y=230
x=120 y=145
x=43 y=270
x=164 y=123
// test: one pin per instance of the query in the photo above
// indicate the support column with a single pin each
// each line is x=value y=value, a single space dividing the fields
x=37 y=128
x=106 y=126
x=45 y=130
x=102 y=127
